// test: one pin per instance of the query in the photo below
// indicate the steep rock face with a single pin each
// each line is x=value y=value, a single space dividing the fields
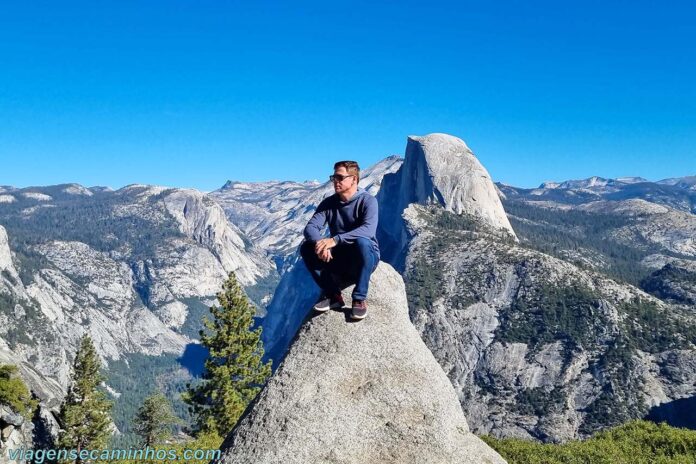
x=535 y=346
x=358 y=392
x=295 y=294
x=91 y=292
x=438 y=169
x=47 y=390
x=6 y=255
x=42 y=431
x=205 y=222
x=141 y=253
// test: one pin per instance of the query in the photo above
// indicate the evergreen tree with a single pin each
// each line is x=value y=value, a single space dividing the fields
x=85 y=414
x=14 y=393
x=155 y=420
x=234 y=371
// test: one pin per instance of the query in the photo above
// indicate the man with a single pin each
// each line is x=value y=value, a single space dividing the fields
x=352 y=251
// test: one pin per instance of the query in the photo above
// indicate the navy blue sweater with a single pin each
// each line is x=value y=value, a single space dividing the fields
x=347 y=221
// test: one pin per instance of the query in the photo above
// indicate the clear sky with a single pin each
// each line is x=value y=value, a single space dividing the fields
x=192 y=93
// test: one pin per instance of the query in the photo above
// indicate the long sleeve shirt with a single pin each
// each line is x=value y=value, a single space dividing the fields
x=347 y=220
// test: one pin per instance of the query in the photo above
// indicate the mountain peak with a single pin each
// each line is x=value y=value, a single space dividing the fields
x=441 y=169
x=358 y=392
x=446 y=171
x=442 y=139
x=592 y=182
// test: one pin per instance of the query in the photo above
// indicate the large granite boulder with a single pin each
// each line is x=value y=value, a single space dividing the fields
x=356 y=392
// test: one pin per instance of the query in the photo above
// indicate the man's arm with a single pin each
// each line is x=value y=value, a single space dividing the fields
x=315 y=226
x=368 y=228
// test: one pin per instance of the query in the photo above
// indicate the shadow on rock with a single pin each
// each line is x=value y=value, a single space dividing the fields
x=677 y=413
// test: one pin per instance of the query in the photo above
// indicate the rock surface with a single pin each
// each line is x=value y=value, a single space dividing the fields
x=529 y=341
x=438 y=169
x=295 y=291
x=358 y=392
x=127 y=275
x=15 y=433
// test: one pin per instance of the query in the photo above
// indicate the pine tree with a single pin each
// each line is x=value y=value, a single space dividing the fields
x=85 y=414
x=155 y=420
x=234 y=371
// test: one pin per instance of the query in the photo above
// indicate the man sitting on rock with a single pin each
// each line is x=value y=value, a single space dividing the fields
x=352 y=252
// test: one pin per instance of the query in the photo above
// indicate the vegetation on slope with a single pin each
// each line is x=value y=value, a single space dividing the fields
x=636 y=442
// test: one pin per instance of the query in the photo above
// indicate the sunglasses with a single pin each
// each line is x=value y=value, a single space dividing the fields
x=339 y=178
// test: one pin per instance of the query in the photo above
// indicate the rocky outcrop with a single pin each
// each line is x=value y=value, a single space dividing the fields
x=358 y=392
x=535 y=346
x=205 y=222
x=673 y=282
x=47 y=390
x=438 y=169
x=291 y=301
x=41 y=431
x=16 y=432
x=5 y=254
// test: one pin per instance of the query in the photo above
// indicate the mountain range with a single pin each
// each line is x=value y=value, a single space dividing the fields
x=554 y=311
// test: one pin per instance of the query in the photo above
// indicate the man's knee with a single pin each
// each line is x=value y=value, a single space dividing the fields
x=365 y=246
x=365 y=249
x=363 y=243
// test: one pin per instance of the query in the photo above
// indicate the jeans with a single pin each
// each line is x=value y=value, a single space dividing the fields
x=353 y=262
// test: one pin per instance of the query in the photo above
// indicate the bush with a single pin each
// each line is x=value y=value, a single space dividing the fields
x=14 y=393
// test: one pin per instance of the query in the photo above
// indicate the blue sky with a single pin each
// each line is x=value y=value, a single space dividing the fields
x=192 y=93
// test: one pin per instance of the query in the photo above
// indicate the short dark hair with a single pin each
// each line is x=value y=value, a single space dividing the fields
x=351 y=167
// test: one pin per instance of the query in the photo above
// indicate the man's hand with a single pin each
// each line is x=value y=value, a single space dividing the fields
x=323 y=245
x=326 y=255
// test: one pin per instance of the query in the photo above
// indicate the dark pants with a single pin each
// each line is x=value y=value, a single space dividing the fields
x=353 y=262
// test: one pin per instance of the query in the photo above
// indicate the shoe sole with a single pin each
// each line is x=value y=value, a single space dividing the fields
x=333 y=306
x=358 y=318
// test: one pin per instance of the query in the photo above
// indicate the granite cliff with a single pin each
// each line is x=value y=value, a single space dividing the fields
x=438 y=169
x=357 y=392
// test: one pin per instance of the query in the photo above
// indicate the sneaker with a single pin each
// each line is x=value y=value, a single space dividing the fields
x=325 y=303
x=359 y=310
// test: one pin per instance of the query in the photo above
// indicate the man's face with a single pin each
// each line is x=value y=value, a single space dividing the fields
x=345 y=184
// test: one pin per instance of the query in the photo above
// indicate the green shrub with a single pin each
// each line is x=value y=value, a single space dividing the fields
x=14 y=393
x=636 y=442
